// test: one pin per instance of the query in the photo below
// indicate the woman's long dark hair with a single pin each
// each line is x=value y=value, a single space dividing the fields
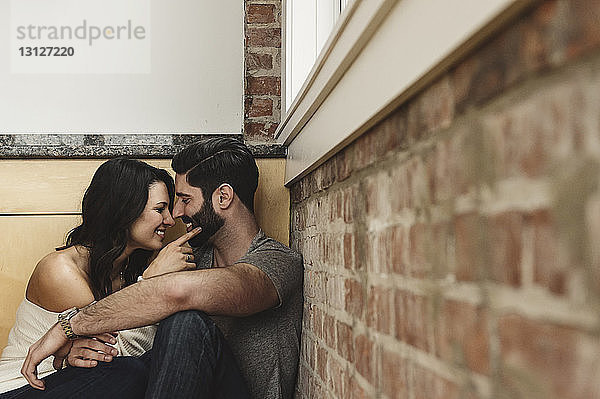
x=115 y=198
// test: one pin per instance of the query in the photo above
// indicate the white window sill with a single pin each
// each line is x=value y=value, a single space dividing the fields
x=380 y=54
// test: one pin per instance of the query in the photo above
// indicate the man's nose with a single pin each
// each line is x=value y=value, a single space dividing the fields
x=177 y=209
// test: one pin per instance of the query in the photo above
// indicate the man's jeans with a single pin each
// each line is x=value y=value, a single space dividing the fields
x=124 y=377
x=190 y=359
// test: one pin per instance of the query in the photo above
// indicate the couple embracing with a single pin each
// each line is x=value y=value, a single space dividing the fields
x=219 y=318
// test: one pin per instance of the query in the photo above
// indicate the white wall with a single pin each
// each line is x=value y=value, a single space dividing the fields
x=194 y=84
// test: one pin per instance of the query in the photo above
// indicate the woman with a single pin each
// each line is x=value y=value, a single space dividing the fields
x=125 y=212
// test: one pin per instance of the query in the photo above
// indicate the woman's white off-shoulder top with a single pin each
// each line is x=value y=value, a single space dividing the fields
x=32 y=322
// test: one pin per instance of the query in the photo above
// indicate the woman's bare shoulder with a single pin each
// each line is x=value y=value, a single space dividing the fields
x=59 y=281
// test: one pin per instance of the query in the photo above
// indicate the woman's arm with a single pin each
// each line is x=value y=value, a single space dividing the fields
x=58 y=284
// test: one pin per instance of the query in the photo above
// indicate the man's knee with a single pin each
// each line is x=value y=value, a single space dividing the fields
x=131 y=367
x=189 y=321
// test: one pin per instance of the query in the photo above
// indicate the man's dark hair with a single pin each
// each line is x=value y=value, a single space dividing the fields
x=212 y=162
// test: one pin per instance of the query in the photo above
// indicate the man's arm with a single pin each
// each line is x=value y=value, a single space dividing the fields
x=237 y=290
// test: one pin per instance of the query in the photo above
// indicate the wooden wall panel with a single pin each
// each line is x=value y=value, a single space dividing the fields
x=272 y=200
x=27 y=240
x=61 y=182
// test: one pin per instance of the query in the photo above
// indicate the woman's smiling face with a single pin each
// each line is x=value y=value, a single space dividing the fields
x=148 y=230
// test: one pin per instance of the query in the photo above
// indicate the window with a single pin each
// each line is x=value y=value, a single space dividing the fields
x=308 y=25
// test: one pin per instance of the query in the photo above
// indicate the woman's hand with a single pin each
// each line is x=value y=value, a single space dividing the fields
x=50 y=344
x=174 y=257
x=87 y=352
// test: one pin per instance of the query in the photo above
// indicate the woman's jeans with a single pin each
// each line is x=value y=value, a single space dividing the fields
x=190 y=359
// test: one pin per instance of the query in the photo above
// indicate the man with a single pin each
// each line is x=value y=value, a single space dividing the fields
x=249 y=284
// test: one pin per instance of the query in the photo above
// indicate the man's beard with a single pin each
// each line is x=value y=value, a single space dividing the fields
x=206 y=218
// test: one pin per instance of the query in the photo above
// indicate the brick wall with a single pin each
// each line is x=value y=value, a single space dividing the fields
x=262 y=83
x=452 y=250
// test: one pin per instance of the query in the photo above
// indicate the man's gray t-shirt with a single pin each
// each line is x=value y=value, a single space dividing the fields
x=266 y=345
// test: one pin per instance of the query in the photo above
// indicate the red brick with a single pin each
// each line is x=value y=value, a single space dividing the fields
x=320 y=287
x=419 y=183
x=256 y=61
x=354 y=298
x=345 y=341
x=428 y=385
x=383 y=139
x=379 y=310
x=370 y=186
x=463 y=336
x=521 y=138
x=322 y=358
x=437 y=106
x=468 y=246
x=311 y=284
x=380 y=248
x=325 y=175
x=413 y=120
x=438 y=249
x=343 y=165
x=263 y=37
x=335 y=378
x=550 y=271
x=413 y=320
x=581 y=34
x=260 y=13
x=363 y=152
x=295 y=195
x=329 y=331
x=316 y=322
x=394 y=377
x=399 y=188
x=506 y=236
x=301 y=218
x=335 y=205
x=349 y=251
x=397 y=249
x=256 y=107
x=549 y=356
x=444 y=173
x=365 y=356
x=493 y=69
x=423 y=381
x=356 y=391
x=263 y=85
x=349 y=196
x=462 y=76
x=419 y=243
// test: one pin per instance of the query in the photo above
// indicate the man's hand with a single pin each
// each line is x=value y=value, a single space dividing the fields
x=50 y=344
x=60 y=355
x=88 y=351
x=174 y=257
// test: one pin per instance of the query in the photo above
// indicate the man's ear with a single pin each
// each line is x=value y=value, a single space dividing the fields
x=224 y=196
